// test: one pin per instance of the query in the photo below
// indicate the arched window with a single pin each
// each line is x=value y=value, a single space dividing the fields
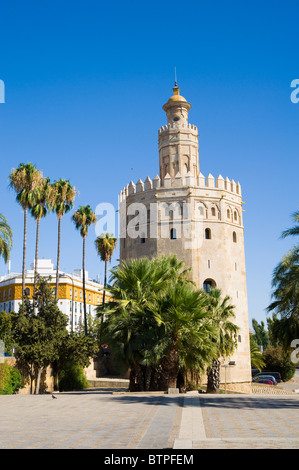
x=208 y=234
x=235 y=215
x=234 y=237
x=208 y=284
x=173 y=234
x=228 y=213
x=213 y=211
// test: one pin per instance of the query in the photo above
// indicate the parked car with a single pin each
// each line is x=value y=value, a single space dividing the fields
x=276 y=375
x=265 y=377
x=264 y=381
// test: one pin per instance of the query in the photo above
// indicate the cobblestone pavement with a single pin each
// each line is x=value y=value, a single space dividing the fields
x=243 y=421
x=102 y=420
x=89 y=420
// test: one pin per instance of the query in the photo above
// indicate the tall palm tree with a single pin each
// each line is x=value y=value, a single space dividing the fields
x=38 y=211
x=293 y=231
x=5 y=238
x=83 y=218
x=25 y=180
x=105 y=246
x=222 y=312
x=61 y=200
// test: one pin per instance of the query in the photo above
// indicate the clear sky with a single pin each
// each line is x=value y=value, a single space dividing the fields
x=84 y=87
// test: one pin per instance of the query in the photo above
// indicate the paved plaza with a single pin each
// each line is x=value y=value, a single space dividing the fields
x=99 y=419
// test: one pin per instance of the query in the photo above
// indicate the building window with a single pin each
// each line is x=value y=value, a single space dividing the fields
x=71 y=292
x=173 y=234
x=209 y=263
x=208 y=234
x=228 y=213
x=76 y=294
x=89 y=297
x=71 y=305
x=235 y=215
x=239 y=338
x=213 y=211
x=208 y=284
x=234 y=237
x=4 y=294
x=80 y=295
x=9 y=293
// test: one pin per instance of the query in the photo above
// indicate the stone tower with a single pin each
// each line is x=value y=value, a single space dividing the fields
x=199 y=218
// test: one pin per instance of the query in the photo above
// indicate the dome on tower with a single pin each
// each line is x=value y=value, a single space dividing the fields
x=176 y=98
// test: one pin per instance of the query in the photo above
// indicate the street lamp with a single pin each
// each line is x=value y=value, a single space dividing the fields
x=230 y=364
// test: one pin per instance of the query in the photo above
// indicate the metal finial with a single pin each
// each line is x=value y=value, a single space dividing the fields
x=175 y=77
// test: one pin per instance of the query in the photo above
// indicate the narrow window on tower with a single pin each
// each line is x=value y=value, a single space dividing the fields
x=208 y=234
x=173 y=234
x=234 y=237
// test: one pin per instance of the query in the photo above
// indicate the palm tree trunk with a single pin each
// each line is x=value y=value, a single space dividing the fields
x=213 y=375
x=24 y=253
x=84 y=297
x=104 y=292
x=58 y=257
x=36 y=251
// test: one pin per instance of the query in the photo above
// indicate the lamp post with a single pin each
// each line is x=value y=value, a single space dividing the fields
x=230 y=364
x=73 y=289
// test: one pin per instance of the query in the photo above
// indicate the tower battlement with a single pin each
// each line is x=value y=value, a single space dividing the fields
x=180 y=181
x=175 y=126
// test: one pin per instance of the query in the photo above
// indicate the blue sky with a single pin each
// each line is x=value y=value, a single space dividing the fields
x=85 y=84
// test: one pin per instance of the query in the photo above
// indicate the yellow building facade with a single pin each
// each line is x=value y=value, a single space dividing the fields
x=70 y=292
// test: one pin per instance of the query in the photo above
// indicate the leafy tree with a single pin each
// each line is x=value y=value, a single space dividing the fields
x=225 y=335
x=83 y=218
x=61 y=196
x=38 y=337
x=25 y=180
x=278 y=359
x=5 y=238
x=6 y=325
x=105 y=246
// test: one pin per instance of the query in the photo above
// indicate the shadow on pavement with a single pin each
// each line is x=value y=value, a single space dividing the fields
x=249 y=402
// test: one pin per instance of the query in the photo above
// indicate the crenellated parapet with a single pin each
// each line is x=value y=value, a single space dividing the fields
x=180 y=181
x=175 y=126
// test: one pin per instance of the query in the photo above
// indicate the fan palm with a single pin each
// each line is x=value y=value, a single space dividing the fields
x=156 y=321
x=105 y=246
x=61 y=200
x=83 y=218
x=256 y=356
x=25 y=180
x=5 y=238
x=285 y=284
x=221 y=312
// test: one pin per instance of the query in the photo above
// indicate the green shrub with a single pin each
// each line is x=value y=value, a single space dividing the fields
x=10 y=379
x=278 y=360
x=72 y=377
